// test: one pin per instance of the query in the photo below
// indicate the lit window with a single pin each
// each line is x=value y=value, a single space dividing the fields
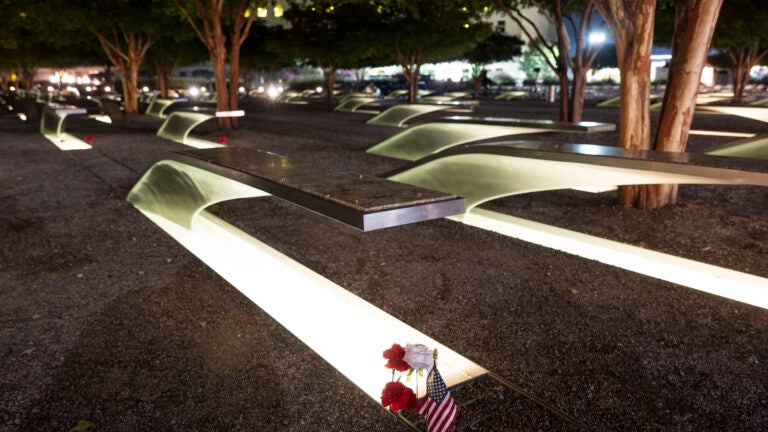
x=278 y=10
x=262 y=12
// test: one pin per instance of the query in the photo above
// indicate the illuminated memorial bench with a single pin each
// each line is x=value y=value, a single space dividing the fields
x=158 y=107
x=755 y=147
x=179 y=124
x=354 y=103
x=52 y=127
x=751 y=112
x=424 y=139
x=481 y=173
x=174 y=193
x=398 y=115
x=512 y=94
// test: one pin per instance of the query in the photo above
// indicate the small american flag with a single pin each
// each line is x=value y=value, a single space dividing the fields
x=437 y=407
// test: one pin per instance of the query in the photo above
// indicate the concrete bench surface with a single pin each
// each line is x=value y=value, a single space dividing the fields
x=52 y=127
x=750 y=112
x=353 y=103
x=158 y=106
x=755 y=147
x=424 y=139
x=320 y=313
x=481 y=173
x=399 y=114
x=582 y=126
x=361 y=201
x=179 y=124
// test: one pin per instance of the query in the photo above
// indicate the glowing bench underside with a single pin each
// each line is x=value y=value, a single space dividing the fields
x=482 y=173
x=345 y=330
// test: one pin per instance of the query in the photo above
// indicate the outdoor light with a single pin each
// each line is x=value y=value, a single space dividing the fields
x=145 y=89
x=203 y=90
x=12 y=88
x=50 y=88
x=319 y=89
x=107 y=89
x=241 y=89
x=194 y=91
x=596 y=38
x=272 y=92
x=261 y=89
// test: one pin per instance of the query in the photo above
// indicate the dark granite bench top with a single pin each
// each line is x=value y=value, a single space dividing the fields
x=362 y=201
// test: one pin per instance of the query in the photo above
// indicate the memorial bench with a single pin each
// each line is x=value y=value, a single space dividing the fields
x=158 y=107
x=179 y=124
x=485 y=172
x=423 y=139
x=175 y=192
x=111 y=109
x=398 y=115
x=52 y=127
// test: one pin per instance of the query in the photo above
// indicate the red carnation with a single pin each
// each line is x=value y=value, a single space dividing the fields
x=397 y=396
x=395 y=357
x=223 y=139
x=88 y=138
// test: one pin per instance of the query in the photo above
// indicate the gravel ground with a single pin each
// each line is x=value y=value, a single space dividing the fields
x=106 y=321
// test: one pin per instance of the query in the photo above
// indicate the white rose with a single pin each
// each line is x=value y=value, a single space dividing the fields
x=419 y=356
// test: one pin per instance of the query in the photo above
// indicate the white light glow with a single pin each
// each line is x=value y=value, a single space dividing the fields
x=348 y=332
x=693 y=274
x=67 y=142
x=318 y=89
x=241 y=89
x=597 y=38
x=194 y=91
x=145 y=89
x=754 y=113
x=272 y=92
x=107 y=89
x=722 y=133
x=236 y=113
x=12 y=88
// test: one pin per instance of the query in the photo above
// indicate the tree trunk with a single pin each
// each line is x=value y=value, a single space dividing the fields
x=161 y=78
x=218 y=62
x=564 y=52
x=694 y=25
x=234 y=81
x=632 y=26
x=564 y=95
x=476 y=81
x=329 y=74
x=578 y=89
x=412 y=77
x=130 y=72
